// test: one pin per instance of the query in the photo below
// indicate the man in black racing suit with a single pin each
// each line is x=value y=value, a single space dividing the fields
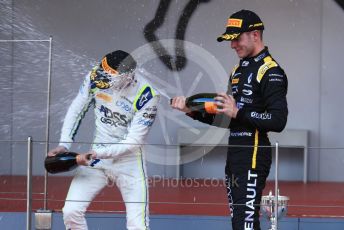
x=258 y=105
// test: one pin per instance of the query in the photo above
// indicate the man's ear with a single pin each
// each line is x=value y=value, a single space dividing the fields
x=256 y=35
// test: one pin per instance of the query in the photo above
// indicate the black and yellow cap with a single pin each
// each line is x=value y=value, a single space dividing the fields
x=240 y=22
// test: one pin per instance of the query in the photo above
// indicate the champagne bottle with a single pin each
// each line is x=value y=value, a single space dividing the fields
x=61 y=162
x=203 y=102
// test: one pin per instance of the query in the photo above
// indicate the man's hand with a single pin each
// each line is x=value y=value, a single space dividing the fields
x=227 y=105
x=86 y=158
x=179 y=104
x=58 y=149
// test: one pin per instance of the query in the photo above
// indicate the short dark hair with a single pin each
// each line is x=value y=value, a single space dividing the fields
x=261 y=34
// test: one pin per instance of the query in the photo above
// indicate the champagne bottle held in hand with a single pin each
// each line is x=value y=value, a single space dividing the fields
x=61 y=162
x=203 y=102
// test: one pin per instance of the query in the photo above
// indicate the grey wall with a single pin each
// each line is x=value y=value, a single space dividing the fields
x=303 y=35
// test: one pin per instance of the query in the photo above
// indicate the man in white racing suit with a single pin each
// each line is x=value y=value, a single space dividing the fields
x=125 y=106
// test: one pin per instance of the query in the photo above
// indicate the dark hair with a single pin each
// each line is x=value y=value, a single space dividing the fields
x=261 y=34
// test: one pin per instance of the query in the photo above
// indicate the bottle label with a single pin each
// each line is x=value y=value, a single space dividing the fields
x=210 y=107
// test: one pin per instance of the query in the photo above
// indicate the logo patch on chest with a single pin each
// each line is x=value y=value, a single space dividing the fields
x=104 y=97
x=146 y=93
x=235 y=81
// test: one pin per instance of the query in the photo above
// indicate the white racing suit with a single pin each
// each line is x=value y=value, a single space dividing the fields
x=122 y=120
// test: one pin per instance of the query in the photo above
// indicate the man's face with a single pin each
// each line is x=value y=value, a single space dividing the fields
x=123 y=80
x=117 y=81
x=244 y=45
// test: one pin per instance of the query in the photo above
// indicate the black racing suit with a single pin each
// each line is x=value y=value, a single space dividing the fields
x=259 y=87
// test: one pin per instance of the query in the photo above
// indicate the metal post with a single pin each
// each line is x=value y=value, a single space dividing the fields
x=47 y=124
x=29 y=184
x=276 y=188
